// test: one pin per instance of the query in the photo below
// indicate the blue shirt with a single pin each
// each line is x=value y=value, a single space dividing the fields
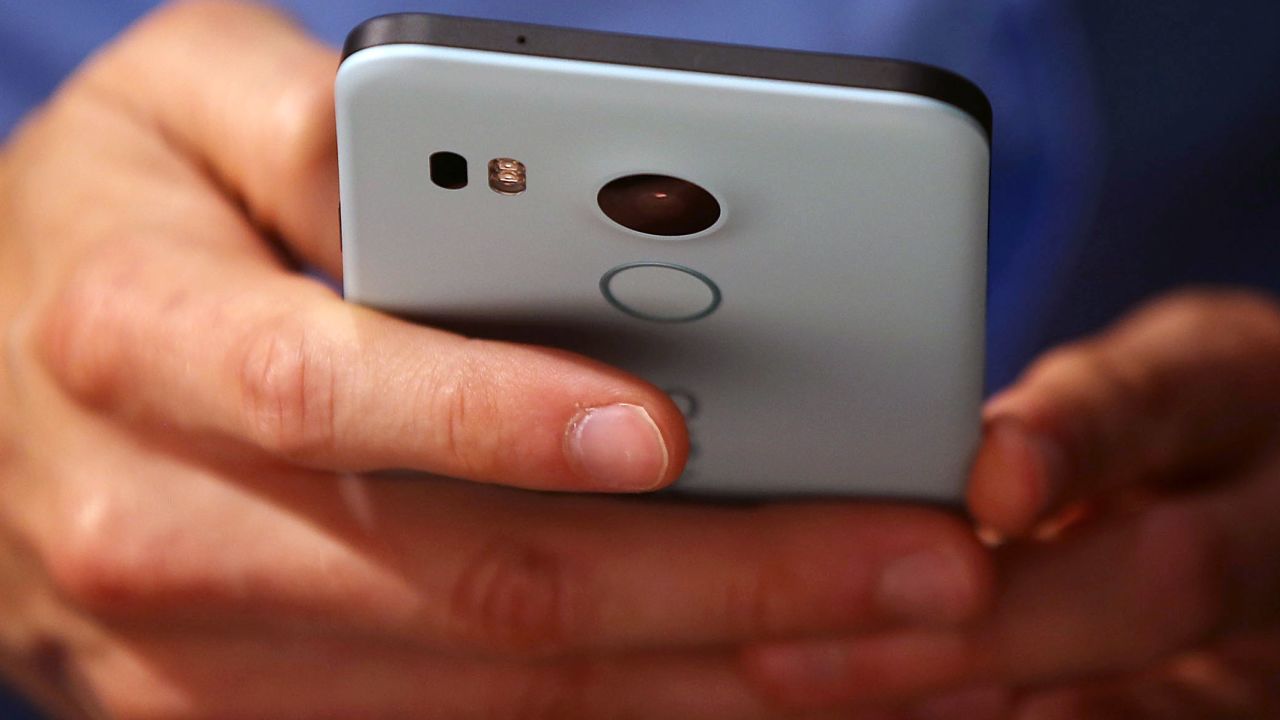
x=1137 y=145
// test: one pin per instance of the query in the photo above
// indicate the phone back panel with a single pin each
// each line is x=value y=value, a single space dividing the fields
x=846 y=354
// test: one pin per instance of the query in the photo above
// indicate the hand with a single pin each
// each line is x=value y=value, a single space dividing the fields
x=185 y=527
x=1139 y=474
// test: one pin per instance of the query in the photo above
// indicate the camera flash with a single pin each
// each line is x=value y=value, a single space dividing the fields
x=507 y=176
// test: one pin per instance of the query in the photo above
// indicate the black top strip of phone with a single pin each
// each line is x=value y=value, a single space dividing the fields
x=644 y=51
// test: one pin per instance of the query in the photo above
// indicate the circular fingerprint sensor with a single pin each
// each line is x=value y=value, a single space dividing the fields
x=661 y=292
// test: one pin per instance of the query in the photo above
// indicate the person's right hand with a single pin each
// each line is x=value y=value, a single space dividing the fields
x=183 y=529
x=1136 y=475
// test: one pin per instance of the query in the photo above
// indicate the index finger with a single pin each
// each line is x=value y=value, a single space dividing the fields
x=173 y=317
x=223 y=348
x=244 y=92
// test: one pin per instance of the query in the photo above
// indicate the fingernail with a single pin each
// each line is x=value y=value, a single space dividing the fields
x=618 y=447
x=1039 y=455
x=929 y=587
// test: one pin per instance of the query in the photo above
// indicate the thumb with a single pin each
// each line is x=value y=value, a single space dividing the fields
x=249 y=98
x=1187 y=387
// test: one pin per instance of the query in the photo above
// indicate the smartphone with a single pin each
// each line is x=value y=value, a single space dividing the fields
x=792 y=245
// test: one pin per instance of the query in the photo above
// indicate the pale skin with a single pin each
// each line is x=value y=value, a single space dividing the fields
x=188 y=527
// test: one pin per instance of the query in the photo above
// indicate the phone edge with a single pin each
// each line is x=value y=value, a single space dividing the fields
x=674 y=54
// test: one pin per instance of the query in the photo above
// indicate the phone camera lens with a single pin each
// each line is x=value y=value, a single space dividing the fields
x=659 y=205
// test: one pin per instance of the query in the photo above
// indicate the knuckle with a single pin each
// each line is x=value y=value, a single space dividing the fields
x=516 y=598
x=288 y=376
x=300 y=125
x=760 y=604
x=463 y=421
x=295 y=142
x=98 y=559
x=83 y=334
x=292 y=134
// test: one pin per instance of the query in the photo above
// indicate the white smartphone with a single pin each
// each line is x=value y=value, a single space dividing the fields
x=793 y=245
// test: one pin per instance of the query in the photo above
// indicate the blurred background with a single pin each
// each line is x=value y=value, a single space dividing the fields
x=1137 y=144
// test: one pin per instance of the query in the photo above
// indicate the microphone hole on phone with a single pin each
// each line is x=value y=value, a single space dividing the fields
x=449 y=170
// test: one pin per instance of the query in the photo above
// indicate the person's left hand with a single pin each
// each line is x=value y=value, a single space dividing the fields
x=192 y=521
x=1139 y=475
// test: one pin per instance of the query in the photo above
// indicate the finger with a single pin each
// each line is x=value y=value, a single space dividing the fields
x=1164 y=701
x=493 y=572
x=887 y=668
x=1186 y=386
x=241 y=677
x=993 y=702
x=1113 y=597
x=214 y=343
x=1197 y=686
x=242 y=91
